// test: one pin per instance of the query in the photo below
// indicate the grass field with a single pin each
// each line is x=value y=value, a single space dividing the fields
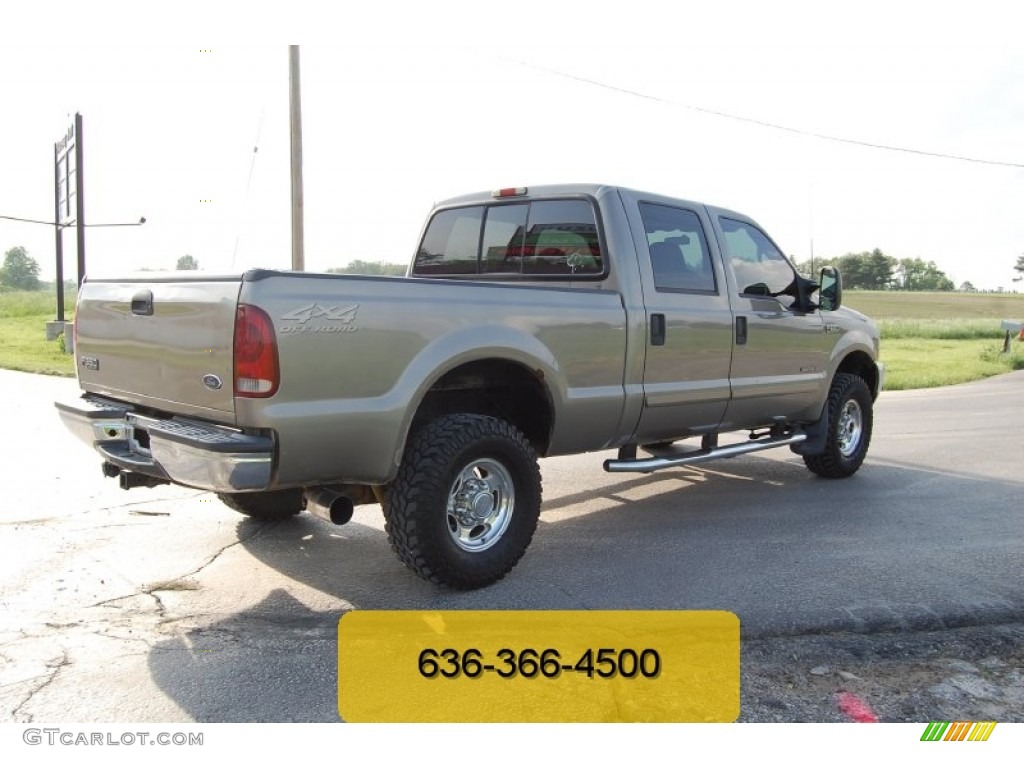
x=936 y=339
x=898 y=305
x=23 y=347
x=23 y=344
x=928 y=339
x=920 y=363
x=31 y=304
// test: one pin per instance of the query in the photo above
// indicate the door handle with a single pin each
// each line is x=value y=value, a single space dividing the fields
x=657 y=330
x=741 y=330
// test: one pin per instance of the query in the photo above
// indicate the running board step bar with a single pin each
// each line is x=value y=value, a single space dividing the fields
x=696 y=457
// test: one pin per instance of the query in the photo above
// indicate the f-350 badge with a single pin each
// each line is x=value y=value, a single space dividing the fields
x=314 y=318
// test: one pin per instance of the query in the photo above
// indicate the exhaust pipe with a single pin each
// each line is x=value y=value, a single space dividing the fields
x=330 y=505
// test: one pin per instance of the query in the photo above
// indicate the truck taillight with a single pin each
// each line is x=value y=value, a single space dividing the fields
x=257 y=373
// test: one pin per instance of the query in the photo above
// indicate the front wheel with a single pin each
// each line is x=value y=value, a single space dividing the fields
x=465 y=504
x=849 y=428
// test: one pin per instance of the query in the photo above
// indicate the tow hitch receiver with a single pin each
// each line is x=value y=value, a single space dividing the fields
x=128 y=480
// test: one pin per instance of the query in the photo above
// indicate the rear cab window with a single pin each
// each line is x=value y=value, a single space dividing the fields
x=537 y=240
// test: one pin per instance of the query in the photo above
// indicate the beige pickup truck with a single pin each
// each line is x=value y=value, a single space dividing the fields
x=532 y=322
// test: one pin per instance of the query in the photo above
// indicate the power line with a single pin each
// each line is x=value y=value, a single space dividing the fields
x=766 y=124
x=248 y=184
x=30 y=221
x=138 y=223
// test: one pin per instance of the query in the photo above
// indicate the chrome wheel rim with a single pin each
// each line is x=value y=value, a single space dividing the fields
x=480 y=505
x=851 y=427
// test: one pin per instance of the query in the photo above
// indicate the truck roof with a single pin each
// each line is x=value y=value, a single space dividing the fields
x=596 y=191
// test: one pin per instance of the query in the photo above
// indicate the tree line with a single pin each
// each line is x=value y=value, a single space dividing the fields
x=877 y=271
x=20 y=272
x=869 y=270
x=360 y=267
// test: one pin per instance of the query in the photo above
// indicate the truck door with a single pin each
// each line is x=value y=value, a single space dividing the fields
x=689 y=324
x=780 y=356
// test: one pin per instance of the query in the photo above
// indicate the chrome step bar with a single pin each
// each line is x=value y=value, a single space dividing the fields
x=697 y=457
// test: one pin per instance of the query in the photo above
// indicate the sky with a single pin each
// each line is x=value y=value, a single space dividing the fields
x=729 y=103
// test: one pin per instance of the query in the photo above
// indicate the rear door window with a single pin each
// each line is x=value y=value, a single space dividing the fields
x=680 y=259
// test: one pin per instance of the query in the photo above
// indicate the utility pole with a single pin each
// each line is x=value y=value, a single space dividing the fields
x=295 y=104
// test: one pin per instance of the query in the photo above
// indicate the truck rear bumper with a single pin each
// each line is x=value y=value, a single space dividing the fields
x=178 y=450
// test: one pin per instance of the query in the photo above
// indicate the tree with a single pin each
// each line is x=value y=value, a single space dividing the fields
x=20 y=271
x=1019 y=267
x=812 y=267
x=967 y=287
x=870 y=271
x=187 y=262
x=918 y=275
x=875 y=271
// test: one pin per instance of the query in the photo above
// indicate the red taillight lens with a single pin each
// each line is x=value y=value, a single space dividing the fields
x=509 y=192
x=257 y=373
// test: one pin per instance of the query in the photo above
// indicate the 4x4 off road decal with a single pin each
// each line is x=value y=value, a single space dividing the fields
x=314 y=318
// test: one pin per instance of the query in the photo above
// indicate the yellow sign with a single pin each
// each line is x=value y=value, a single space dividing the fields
x=539 y=666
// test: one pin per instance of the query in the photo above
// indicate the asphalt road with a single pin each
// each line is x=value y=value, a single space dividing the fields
x=163 y=605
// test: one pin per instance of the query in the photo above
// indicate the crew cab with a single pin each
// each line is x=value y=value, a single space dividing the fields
x=531 y=322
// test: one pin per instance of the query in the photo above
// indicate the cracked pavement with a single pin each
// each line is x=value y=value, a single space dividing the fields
x=901 y=586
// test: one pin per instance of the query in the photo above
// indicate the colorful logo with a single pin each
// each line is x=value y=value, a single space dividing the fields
x=958 y=731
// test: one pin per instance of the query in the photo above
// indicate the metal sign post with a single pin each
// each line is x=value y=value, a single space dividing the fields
x=68 y=189
x=79 y=199
x=58 y=232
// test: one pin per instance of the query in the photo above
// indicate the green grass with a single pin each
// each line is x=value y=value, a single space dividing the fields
x=920 y=363
x=23 y=347
x=938 y=339
x=29 y=303
x=23 y=344
x=958 y=328
x=902 y=305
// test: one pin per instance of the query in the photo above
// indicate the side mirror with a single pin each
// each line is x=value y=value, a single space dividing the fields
x=830 y=295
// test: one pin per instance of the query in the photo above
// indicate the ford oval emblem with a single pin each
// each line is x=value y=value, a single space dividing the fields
x=210 y=381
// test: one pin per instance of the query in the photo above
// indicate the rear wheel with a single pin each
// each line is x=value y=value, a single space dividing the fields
x=849 y=428
x=465 y=504
x=265 y=505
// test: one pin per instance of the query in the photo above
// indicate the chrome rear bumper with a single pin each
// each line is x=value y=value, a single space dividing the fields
x=184 y=451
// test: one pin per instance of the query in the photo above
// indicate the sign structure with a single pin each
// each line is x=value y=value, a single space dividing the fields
x=67 y=170
x=68 y=201
x=69 y=205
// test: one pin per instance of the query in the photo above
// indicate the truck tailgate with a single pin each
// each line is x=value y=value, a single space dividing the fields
x=166 y=344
